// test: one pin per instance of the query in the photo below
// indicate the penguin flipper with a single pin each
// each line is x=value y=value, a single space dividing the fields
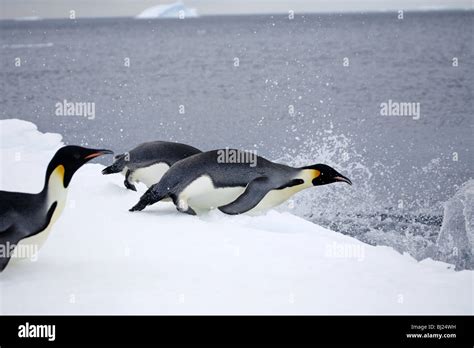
x=7 y=243
x=6 y=229
x=154 y=194
x=253 y=194
x=5 y=222
x=13 y=234
x=9 y=238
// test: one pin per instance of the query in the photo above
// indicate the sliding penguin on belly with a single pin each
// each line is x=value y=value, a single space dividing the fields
x=203 y=181
x=148 y=162
x=26 y=218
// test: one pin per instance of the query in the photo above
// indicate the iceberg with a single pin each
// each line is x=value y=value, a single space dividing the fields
x=102 y=259
x=174 y=10
x=455 y=242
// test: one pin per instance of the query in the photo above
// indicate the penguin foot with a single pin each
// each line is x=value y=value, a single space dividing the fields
x=189 y=211
x=129 y=186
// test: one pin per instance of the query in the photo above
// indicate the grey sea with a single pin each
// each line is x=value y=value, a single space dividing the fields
x=317 y=88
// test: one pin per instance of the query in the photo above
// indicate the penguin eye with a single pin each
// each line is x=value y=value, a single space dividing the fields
x=77 y=156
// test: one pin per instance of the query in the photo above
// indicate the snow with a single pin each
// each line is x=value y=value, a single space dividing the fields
x=102 y=259
x=174 y=10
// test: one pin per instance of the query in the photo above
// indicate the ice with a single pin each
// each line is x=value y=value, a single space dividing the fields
x=102 y=259
x=174 y=10
x=456 y=239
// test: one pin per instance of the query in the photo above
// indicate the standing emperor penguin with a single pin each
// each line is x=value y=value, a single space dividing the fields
x=206 y=181
x=148 y=162
x=26 y=218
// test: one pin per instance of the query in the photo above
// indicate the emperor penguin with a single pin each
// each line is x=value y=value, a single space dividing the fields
x=148 y=162
x=207 y=180
x=26 y=218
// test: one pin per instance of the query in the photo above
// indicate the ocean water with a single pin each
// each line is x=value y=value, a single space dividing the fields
x=301 y=91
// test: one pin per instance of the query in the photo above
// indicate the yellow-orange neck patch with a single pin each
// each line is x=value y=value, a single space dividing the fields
x=58 y=172
x=308 y=175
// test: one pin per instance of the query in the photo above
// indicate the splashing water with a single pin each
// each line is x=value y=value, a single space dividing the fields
x=455 y=242
x=361 y=211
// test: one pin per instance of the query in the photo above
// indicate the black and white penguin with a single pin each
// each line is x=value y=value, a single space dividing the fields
x=148 y=162
x=204 y=181
x=26 y=218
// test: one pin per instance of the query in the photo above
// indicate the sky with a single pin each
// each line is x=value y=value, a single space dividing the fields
x=10 y=9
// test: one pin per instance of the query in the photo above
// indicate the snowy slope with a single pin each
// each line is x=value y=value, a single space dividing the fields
x=100 y=258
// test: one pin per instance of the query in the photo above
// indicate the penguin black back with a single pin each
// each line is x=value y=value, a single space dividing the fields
x=224 y=172
x=148 y=162
x=149 y=153
x=214 y=180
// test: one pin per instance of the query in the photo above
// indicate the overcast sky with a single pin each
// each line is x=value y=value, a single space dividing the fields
x=112 y=8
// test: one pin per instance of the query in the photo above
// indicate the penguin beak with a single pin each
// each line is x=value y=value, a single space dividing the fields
x=343 y=179
x=98 y=153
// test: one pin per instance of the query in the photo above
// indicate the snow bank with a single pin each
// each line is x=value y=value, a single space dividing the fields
x=174 y=10
x=100 y=258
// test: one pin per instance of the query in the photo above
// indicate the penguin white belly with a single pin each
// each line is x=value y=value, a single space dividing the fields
x=29 y=246
x=201 y=194
x=150 y=175
x=276 y=197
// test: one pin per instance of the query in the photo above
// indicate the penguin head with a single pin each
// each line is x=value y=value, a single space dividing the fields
x=69 y=159
x=324 y=174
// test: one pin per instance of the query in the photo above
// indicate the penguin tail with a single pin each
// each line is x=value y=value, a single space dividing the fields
x=117 y=166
